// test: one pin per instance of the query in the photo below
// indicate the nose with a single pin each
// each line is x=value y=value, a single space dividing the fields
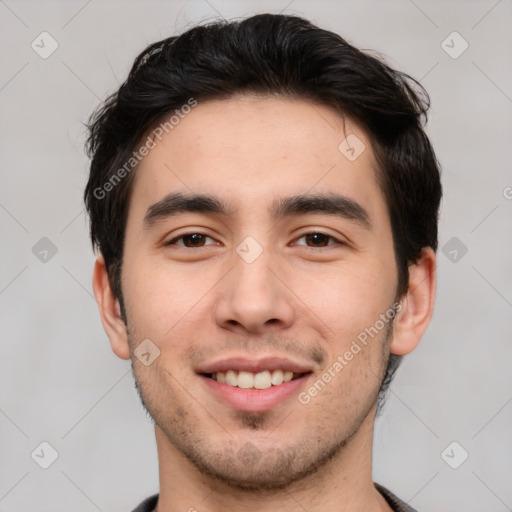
x=254 y=298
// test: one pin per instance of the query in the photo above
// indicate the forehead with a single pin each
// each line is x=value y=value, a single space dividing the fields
x=251 y=150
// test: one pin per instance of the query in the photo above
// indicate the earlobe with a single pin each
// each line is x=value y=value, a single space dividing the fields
x=417 y=305
x=110 y=311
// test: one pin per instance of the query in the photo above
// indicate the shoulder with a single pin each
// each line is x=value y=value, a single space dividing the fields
x=396 y=503
x=147 y=505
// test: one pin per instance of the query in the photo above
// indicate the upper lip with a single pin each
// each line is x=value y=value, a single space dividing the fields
x=254 y=364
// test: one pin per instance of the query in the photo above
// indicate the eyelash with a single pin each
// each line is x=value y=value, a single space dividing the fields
x=173 y=241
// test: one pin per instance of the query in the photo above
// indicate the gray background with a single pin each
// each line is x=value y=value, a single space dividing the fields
x=60 y=382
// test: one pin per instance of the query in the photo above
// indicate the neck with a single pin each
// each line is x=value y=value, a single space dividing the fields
x=343 y=484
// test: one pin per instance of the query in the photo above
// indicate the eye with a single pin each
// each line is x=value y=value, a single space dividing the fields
x=318 y=239
x=189 y=240
x=314 y=240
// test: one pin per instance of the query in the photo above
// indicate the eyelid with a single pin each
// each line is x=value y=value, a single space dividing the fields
x=336 y=240
x=320 y=232
x=173 y=240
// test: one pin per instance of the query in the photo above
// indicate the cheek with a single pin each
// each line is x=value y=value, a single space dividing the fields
x=163 y=297
x=347 y=299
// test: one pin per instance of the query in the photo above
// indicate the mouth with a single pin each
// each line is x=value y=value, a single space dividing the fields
x=245 y=391
x=255 y=380
x=246 y=382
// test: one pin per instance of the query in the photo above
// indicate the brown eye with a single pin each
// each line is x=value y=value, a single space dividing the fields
x=189 y=240
x=318 y=240
x=194 y=240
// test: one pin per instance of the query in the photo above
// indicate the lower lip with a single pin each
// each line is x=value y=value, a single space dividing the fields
x=255 y=400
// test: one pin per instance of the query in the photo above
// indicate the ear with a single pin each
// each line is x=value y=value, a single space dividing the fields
x=417 y=305
x=110 y=310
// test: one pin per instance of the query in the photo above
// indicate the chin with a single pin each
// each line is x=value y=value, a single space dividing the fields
x=253 y=470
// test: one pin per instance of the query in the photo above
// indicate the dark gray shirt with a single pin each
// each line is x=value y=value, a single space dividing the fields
x=395 y=503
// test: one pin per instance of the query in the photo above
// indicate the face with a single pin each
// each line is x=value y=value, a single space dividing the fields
x=256 y=278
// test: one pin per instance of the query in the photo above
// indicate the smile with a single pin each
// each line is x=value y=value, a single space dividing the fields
x=251 y=380
x=251 y=398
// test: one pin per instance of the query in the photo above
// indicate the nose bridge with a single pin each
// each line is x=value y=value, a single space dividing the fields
x=253 y=297
x=252 y=276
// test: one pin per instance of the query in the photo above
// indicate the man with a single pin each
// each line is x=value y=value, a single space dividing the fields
x=265 y=203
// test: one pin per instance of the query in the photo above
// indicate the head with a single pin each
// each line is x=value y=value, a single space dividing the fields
x=274 y=129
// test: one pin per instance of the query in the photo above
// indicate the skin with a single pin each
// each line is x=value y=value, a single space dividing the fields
x=200 y=303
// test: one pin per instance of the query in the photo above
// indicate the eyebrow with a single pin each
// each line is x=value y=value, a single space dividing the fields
x=328 y=204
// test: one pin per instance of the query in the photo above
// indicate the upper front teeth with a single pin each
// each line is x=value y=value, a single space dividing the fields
x=247 y=380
